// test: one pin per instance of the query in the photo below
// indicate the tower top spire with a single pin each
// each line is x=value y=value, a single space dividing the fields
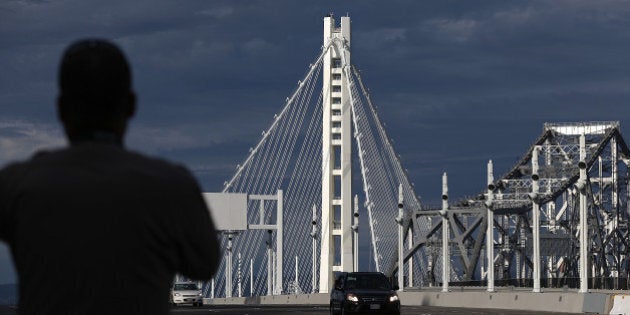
x=334 y=30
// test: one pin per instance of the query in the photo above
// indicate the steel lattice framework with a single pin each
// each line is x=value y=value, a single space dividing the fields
x=555 y=156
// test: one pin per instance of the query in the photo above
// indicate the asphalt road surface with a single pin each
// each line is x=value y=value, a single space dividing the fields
x=323 y=310
x=316 y=310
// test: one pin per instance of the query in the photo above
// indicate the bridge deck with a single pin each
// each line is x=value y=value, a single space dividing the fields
x=551 y=300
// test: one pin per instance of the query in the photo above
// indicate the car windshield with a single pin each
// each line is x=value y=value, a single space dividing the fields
x=367 y=282
x=185 y=286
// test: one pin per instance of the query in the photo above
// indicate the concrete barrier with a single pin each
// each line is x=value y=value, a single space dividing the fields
x=620 y=304
x=569 y=302
x=557 y=300
x=297 y=299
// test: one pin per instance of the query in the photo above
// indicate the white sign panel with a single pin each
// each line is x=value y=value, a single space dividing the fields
x=228 y=211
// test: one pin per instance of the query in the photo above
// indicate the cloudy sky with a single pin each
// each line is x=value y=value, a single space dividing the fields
x=456 y=82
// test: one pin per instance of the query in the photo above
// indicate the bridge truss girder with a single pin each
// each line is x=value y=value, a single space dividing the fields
x=607 y=193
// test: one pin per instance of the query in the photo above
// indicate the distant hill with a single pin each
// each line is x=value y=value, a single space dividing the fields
x=8 y=294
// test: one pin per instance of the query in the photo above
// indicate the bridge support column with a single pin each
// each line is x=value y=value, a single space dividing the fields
x=446 y=255
x=536 y=221
x=490 y=228
x=582 y=186
x=401 y=240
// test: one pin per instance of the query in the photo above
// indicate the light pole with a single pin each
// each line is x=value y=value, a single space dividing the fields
x=399 y=220
x=445 y=238
x=228 y=267
x=355 y=229
x=239 y=276
x=536 y=218
x=269 y=265
x=314 y=247
x=490 y=228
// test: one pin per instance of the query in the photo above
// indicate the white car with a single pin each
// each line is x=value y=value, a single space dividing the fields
x=186 y=293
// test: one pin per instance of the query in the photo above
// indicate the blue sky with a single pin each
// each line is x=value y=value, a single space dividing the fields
x=456 y=82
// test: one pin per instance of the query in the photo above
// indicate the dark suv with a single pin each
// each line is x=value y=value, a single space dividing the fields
x=363 y=292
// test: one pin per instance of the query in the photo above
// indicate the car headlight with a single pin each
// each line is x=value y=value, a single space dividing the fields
x=199 y=294
x=393 y=298
x=176 y=294
x=352 y=298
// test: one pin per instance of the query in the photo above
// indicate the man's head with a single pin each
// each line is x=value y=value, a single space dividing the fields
x=95 y=90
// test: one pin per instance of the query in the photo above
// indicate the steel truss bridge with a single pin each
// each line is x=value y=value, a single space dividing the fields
x=546 y=181
x=555 y=179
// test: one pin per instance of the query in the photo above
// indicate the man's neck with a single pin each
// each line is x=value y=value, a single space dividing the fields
x=96 y=136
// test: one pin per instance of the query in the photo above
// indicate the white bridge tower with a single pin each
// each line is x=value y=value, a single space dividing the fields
x=336 y=238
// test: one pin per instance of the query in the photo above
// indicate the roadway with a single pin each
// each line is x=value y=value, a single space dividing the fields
x=323 y=310
x=317 y=310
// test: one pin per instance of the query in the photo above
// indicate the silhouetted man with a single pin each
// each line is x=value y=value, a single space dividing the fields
x=94 y=228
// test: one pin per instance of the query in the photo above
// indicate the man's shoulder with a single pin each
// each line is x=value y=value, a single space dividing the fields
x=16 y=167
x=100 y=157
